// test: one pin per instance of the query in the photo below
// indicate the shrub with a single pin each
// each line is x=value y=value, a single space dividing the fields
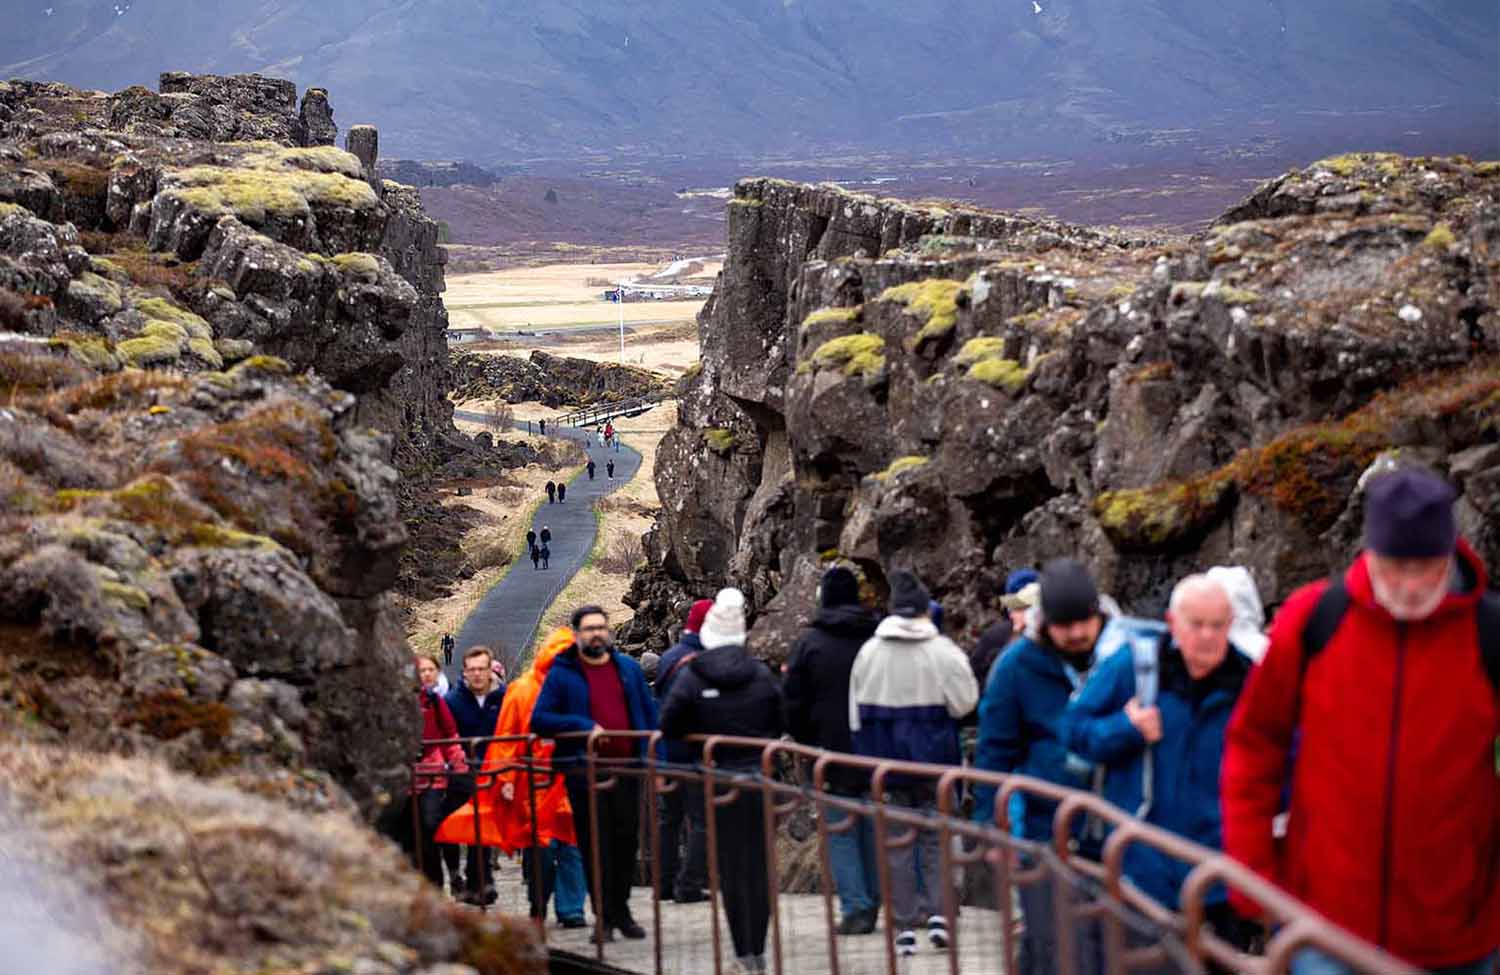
x=621 y=556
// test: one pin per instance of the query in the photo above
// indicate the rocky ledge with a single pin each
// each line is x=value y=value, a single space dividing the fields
x=966 y=392
x=551 y=380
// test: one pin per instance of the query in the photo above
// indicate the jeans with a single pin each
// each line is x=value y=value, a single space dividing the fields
x=1311 y=961
x=916 y=894
x=561 y=867
x=851 y=854
x=1037 y=954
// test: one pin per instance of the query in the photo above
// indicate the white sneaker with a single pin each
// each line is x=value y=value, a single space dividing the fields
x=937 y=931
x=906 y=942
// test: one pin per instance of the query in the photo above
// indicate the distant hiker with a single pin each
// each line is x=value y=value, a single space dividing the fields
x=536 y=557
x=562 y=492
x=551 y=492
x=591 y=469
x=541 y=425
x=609 y=469
x=609 y=430
x=531 y=538
x=546 y=535
x=447 y=646
x=546 y=554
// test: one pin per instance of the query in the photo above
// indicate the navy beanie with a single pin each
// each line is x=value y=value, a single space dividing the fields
x=909 y=597
x=1409 y=515
x=1068 y=592
x=838 y=588
x=1018 y=580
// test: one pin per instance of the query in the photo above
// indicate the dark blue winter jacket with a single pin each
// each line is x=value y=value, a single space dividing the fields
x=668 y=669
x=474 y=721
x=1185 y=763
x=563 y=704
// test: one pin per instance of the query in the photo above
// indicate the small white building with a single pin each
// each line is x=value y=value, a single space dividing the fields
x=463 y=336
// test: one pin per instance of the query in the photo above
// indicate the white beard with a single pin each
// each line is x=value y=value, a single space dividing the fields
x=1407 y=613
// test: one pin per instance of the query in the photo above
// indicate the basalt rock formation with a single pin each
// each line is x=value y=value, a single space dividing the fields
x=965 y=393
x=551 y=380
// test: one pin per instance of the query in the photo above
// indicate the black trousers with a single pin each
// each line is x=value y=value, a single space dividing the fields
x=434 y=806
x=740 y=842
x=618 y=839
x=683 y=874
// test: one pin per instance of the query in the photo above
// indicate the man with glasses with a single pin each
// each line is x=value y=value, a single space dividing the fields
x=475 y=703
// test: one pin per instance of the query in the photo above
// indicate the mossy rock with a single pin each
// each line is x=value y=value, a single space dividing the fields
x=130 y=596
x=233 y=350
x=161 y=309
x=363 y=266
x=1440 y=237
x=719 y=440
x=204 y=351
x=1162 y=516
x=149 y=350
x=1006 y=374
x=89 y=350
x=899 y=466
x=257 y=195
x=319 y=159
x=976 y=349
x=824 y=316
x=934 y=301
x=861 y=354
x=1488 y=169
x=1346 y=165
x=101 y=293
x=268 y=364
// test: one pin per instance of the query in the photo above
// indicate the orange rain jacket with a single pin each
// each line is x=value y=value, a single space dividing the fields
x=507 y=824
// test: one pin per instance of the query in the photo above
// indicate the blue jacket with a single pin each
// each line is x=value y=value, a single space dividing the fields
x=1185 y=763
x=667 y=673
x=563 y=704
x=474 y=721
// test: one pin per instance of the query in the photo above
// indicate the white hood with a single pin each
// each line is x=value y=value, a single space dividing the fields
x=1247 y=632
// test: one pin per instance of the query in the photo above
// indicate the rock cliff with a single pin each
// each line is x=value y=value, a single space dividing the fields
x=550 y=379
x=967 y=392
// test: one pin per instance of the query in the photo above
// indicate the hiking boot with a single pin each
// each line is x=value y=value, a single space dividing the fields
x=690 y=897
x=858 y=922
x=572 y=922
x=937 y=931
x=906 y=942
x=631 y=930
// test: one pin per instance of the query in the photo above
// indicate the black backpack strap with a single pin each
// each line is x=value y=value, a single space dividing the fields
x=1324 y=620
x=1489 y=636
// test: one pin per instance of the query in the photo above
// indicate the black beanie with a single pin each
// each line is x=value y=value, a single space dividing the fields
x=838 y=588
x=909 y=597
x=1068 y=592
x=1409 y=515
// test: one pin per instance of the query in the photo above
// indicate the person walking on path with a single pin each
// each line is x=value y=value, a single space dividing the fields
x=817 y=712
x=609 y=469
x=447 y=646
x=531 y=538
x=542 y=427
x=551 y=492
x=1153 y=718
x=908 y=689
x=546 y=535
x=536 y=557
x=562 y=492
x=435 y=800
x=474 y=702
x=609 y=431
x=546 y=554
x=591 y=468
x=725 y=691
x=593 y=686
x=683 y=874
x=549 y=846
x=1375 y=705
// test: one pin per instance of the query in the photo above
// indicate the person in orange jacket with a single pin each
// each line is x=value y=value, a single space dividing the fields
x=551 y=856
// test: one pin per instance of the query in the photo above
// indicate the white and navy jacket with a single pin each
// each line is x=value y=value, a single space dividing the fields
x=909 y=687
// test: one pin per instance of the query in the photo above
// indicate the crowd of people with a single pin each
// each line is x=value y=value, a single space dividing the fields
x=1350 y=754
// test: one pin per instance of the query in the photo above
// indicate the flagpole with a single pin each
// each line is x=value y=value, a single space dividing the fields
x=622 y=324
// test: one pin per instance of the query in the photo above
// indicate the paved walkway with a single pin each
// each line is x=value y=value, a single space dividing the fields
x=506 y=619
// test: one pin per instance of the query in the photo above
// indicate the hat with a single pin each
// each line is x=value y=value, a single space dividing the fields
x=649 y=664
x=695 y=616
x=1068 y=592
x=1409 y=515
x=909 y=597
x=838 y=588
x=724 y=626
x=1027 y=597
x=1019 y=579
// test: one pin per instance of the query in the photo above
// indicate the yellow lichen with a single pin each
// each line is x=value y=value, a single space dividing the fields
x=320 y=159
x=1487 y=169
x=364 y=266
x=1440 y=237
x=900 y=465
x=719 y=440
x=148 y=350
x=89 y=350
x=90 y=287
x=984 y=347
x=934 y=301
x=131 y=596
x=825 y=315
x=262 y=363
x=256 y=195
x=162 y=310
x=862 y=353
x=1006 y=374
x=203 y=350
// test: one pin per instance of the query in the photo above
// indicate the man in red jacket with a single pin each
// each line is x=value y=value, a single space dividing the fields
x=1394 y=825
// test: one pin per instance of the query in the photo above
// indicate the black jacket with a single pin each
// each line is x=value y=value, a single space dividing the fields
x=817 y=682
x=986 y=651
x=724 y=691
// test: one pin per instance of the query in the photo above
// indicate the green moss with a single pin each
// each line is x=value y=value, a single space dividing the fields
x=1487 y=169
x=148 y=350
x=862 y=353
x=1006 y=374
x=12 y=209
x=934 y=301
x=1119 y=292
x=1161 y=516
x=257 y=195
x=364 y=266
x=719 y=440
x=91 y=288
x=169 y=331
x=746 y=203
x=207 y=535
x=262 y=363
x=1388 y=163
x=88 y=350
x=1440 y=237
x=162 y=310
x=899 y=466
x=203 y=350
x=130 y=596
x=976 y=349
x=824 y=316
x=321 y=159
x=1237 y=296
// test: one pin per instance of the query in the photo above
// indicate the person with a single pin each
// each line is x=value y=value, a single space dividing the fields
x=609 y=431
x=609 y=468
x=435 y=800
x=562 y=492
x=725 y=691
x=650 y=662
x=680 y=811
x=542 y=427
x=1154 y=720
x=817 y=712
x=999 y=634
x=531 y=538
x=1027 y=691
x=1375 y=709
x=551 y=492
x=1247 y=633
x=447 y=645
x=593 y=686
x=548 y=843
x=546 y=535
x=591 y=468
x=474 y=703
x=546 y=554
x=908 y=688
x=536 y=557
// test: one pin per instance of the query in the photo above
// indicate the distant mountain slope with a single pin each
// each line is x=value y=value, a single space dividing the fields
x=497 y=80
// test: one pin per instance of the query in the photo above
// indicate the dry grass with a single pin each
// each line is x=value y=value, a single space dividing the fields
x=621 y=555
x=557 y=294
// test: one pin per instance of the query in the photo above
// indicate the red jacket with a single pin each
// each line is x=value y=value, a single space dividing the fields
x=1395 y=802
x=437 y=724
